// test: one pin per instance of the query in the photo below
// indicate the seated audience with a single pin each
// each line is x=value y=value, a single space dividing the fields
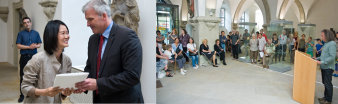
x=211 y=55
x=193 y=53
x=220 y=51
x=179 y=58
x=162 y=62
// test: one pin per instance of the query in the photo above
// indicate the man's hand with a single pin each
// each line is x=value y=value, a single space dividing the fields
x=88 y=84
x=67 y=91
x=77 y=91
x=32 y=46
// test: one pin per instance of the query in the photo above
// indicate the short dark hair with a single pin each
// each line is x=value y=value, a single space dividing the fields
x=222 y=31
x=26 y=18
x=158 y=31
x=329 y=36
x=50 y=35
x=257 y=32
x=216 y=41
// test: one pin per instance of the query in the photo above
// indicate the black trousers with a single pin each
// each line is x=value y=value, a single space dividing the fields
x=327 y=81
x=185 y=49
x=222 y=56
x=301 y=49
x=235 y=51
x=281 y=51
x=23 y=61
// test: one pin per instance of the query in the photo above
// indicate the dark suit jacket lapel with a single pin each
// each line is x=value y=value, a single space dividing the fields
x=108 y=45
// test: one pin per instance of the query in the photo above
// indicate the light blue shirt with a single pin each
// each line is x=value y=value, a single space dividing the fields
x=174 y=47
x=282 y=39
x=106 y=36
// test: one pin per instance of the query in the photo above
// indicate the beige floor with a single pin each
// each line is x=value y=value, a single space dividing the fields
x=9 y=84
x=236 y=83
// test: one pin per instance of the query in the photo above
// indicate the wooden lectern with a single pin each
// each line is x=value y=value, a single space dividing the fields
x=304 y=81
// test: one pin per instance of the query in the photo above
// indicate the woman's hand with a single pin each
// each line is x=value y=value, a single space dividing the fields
x=67 y=91
x=318 y=62
x=51 y=91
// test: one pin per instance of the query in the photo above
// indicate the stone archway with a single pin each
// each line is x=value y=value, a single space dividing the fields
x=284 y=7
x=262 y=5
x=237 y=12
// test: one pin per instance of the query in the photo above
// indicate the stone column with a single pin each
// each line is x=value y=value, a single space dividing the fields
x=205 y=28
x=4 y=13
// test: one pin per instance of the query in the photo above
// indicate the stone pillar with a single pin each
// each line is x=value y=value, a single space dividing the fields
x=205 y=28
x=4 y=13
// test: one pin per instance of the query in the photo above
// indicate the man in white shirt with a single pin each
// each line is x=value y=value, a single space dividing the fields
x=282 y=46
x=261 y=44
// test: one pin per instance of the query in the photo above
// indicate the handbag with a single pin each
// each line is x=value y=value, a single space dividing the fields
x=192 y=54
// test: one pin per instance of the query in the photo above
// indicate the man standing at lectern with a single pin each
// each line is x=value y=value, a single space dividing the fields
x=114 y=58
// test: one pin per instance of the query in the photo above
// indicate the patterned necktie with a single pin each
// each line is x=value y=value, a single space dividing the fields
x=99 y=59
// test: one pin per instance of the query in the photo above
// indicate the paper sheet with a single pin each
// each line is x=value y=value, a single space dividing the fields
x=68 y=80
x=261 y=54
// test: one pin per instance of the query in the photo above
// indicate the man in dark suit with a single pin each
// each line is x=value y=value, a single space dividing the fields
x=114 y=58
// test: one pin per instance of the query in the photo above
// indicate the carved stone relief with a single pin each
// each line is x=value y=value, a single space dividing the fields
x=49 y=7
x=126 y=13
x=4 y=13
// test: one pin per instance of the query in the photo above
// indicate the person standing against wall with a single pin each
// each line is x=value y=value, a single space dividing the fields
x=184 y=39
x=28 y=41
x=282 y=46
x=223 y=40
x=246 y=38
x=234 y=41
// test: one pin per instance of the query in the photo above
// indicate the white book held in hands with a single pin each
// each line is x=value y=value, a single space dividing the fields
x=68 y=80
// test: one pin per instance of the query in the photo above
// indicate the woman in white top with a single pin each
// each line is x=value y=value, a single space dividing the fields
x=193 y=53
x=253 y=49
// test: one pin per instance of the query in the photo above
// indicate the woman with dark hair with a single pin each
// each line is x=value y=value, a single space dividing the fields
x=193 y=53
x=276 y=43
x=218 y=48
x=178 y=52
x=301 y=45
x=40 y=71
x=327 y=64
x=184 y=39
